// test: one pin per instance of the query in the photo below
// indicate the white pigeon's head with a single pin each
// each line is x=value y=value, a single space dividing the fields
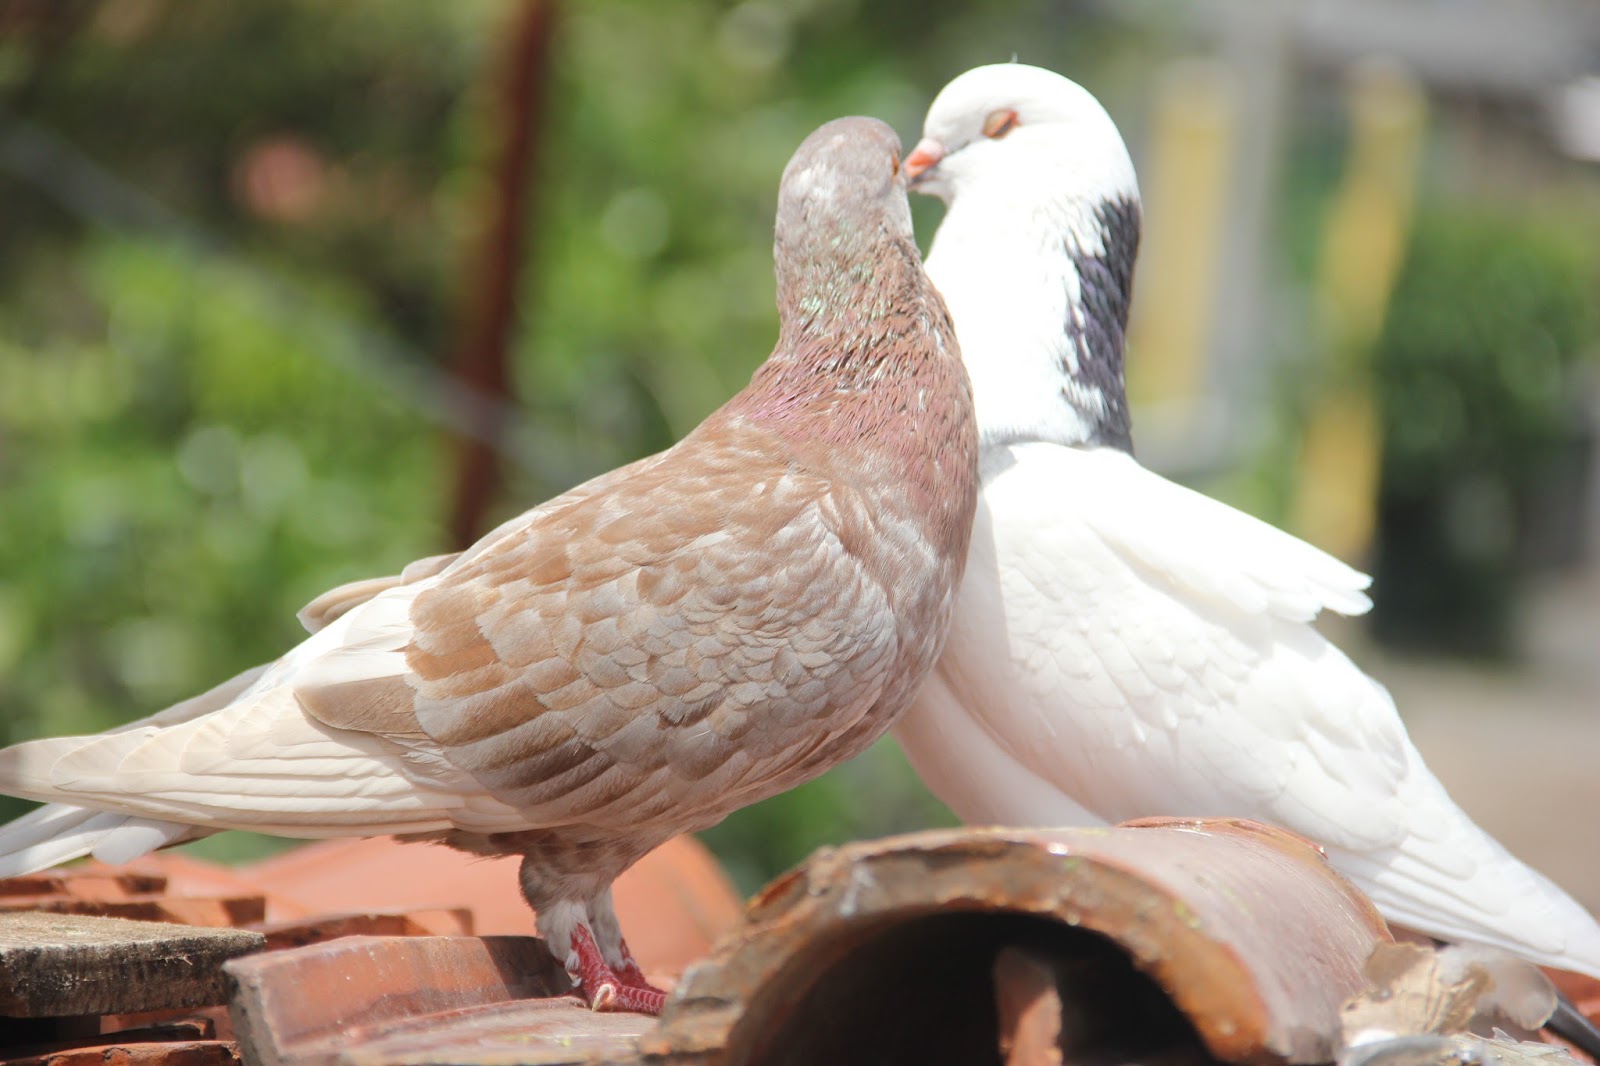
x=1035 y=255
x=1012 y=125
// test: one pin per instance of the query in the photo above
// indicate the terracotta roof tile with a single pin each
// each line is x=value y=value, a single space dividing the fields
x=674 y=902
x=677 y=898
x=1165 y=941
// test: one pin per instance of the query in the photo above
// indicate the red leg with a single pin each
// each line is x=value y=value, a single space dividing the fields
x=606 y=990
x=631 y=973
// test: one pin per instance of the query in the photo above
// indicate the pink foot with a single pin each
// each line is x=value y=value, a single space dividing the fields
x=605 y=989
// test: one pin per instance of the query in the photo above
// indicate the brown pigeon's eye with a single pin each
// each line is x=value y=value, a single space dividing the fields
x=894 y=168
x=999 y=123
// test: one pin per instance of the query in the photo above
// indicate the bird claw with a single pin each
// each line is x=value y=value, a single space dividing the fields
x=606 y=989
x=601 y=998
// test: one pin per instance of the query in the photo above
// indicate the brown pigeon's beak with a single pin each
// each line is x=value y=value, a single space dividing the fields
x=924 y=157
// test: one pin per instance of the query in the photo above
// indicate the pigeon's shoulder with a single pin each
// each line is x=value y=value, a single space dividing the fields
x=1179 y=536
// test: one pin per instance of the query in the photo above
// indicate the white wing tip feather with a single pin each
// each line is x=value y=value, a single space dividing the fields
x=57 y=833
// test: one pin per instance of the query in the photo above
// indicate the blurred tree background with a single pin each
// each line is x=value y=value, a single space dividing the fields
x=245 y=246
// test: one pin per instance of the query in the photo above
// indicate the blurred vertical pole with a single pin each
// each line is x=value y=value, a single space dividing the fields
x=1335 y=507
x=520 y=83
x=1255 y=41
x=1192 y=141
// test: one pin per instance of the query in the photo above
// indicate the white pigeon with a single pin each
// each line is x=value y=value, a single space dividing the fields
x=1125 y=647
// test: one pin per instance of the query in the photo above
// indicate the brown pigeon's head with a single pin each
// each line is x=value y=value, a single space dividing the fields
x=843 y=193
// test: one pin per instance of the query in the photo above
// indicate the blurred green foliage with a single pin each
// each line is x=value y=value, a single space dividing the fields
x=1480 y=371
x=215 y=207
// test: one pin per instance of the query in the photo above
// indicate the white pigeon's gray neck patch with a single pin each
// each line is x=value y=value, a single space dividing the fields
x=1097 y=324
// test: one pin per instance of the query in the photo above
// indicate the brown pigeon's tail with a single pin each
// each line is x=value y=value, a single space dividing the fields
x=57 y=833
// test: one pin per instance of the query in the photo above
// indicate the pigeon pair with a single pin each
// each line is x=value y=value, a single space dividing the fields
x=726 y=619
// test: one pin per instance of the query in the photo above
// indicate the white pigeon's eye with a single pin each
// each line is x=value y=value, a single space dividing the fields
x=999 y=123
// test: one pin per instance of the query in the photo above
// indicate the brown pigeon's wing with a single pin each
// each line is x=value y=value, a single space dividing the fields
x=341 y=599
x=663 y=652
x=652 y=656
x=256 y=753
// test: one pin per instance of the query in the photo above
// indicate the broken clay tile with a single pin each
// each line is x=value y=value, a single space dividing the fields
x=1242 y=927
x=185 y=875
x=532 y=1032
x=674 y=902
x=304 y=1005
x=200 y=1022
x=219 y=912
x=54 y=965
x=102 y=884
x=178 y=1032
x=1028 y=1008
x=298 y=932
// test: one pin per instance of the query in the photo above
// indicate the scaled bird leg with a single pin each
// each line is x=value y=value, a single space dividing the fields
x=603 y=988
x=631 y=973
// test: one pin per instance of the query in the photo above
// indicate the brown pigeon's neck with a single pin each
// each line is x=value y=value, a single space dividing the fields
x=870 y=386
x=834 y=275
x=860 y=329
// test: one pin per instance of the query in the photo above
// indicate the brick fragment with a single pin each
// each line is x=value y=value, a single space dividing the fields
x=103 y=884
x=219 y=912
x=298 y=932
x=531 y=1032
x=303 y=1006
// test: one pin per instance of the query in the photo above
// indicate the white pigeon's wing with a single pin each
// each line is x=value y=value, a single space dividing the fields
x=1141 y=646
x=1146 y=651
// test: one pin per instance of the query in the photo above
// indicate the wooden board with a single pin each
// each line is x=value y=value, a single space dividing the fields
x=56 y=965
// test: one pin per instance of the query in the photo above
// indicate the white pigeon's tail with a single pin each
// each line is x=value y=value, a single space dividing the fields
x=1463 y=885
x=57 y=833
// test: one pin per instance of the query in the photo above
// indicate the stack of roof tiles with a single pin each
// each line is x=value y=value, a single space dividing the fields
x=1164 y=941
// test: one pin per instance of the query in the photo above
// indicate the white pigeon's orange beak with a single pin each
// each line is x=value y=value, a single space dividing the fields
x=923 y=157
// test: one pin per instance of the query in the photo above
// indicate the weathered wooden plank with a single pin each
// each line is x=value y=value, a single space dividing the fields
x=53 y=965
x=117 y=1052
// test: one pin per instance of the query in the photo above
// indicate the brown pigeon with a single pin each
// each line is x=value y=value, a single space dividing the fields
x=633 y=660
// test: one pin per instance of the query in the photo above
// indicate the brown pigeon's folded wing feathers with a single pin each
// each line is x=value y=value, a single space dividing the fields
x=699 y=630
x=338 y=601
x=655 y=651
